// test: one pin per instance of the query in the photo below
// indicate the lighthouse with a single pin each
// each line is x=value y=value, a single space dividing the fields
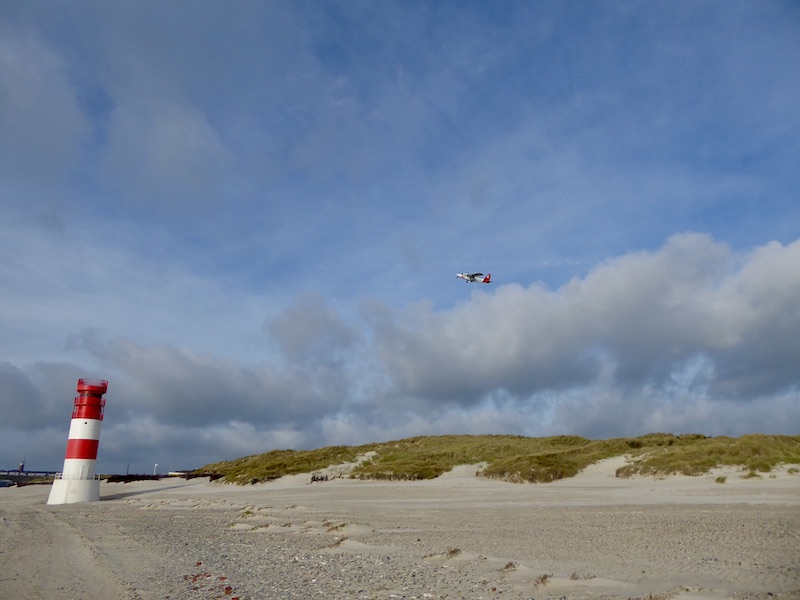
x=78 y=481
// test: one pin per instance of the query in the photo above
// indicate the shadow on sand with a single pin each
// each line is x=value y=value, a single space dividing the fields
x=124 y=494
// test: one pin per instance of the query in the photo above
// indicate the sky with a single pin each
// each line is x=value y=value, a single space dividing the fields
x=248 y=218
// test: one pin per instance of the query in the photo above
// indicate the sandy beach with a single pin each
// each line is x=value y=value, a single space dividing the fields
x=459 y=536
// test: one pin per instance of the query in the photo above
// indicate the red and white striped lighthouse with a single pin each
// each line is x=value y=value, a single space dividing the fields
x=78 y=481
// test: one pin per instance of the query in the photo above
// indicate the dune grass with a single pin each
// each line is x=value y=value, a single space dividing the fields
x=521 y=459
x=753 y=453
x=258 y=468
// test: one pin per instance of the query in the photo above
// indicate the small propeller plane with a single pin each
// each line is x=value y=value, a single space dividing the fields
x=474 y=277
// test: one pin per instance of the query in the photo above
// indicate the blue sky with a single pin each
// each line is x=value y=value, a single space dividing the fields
x=248 y=217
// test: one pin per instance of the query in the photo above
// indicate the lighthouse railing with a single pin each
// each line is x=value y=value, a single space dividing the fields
x=61 y=476
x=81 y=402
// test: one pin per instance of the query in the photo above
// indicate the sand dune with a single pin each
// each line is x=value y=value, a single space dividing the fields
x=459 y=536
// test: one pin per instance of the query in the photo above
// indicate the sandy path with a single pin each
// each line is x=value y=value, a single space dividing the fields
x=594 y=536
x=43 y=556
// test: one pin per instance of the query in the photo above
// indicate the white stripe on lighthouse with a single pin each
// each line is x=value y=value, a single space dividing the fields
x=84 y=429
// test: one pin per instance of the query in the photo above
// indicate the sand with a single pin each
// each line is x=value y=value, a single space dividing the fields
x=459 y=536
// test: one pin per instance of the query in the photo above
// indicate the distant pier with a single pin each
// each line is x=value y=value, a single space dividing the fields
x=24 y=477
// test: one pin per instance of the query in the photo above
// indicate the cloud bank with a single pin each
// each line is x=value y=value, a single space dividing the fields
x=691 y=337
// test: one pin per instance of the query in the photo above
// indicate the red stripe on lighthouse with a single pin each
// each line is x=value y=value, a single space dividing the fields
x=87 y=411
x=82 y=449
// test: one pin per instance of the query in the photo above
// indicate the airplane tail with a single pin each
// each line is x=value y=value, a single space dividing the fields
x=488 y=278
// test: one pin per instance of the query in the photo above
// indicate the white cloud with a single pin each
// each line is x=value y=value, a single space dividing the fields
x=43 y=128
x=165 y=153
x=633 y=326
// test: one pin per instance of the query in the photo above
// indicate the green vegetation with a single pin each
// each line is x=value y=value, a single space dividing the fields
x=521 y=459
x=258 y=468
x=754 y=453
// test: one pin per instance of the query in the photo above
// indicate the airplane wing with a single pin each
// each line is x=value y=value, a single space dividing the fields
x=476 y=274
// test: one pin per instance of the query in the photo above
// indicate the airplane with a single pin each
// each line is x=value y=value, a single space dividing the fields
x=474 y=277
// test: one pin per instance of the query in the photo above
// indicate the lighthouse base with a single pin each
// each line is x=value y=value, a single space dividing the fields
x=69 y=491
